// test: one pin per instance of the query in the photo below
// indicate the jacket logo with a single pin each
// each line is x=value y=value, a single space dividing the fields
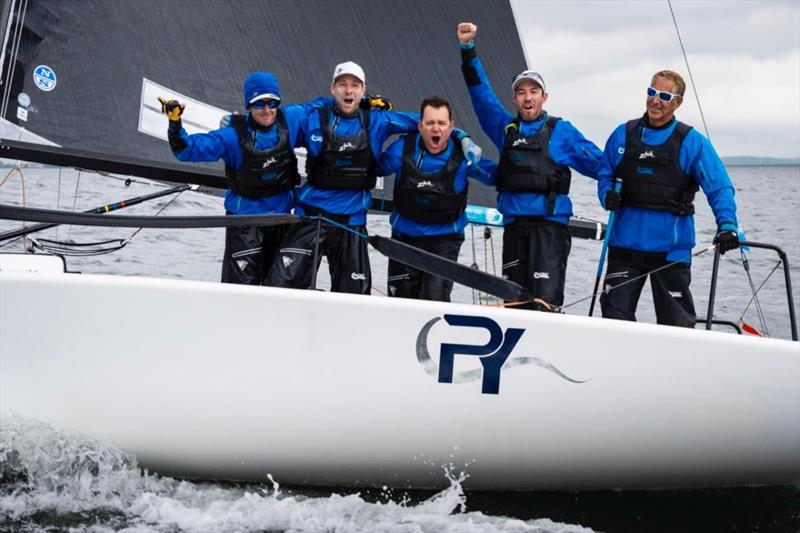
x=645 y=170
x=646 y=154
x=268 y=162
x=287 y=260
x=494 y=355
x=316 y=138
x=424 y=183
x=346 y=145
x=242 y=264
x=676 y=294
x=519 y=141
x=356 y=276
x=541 y=275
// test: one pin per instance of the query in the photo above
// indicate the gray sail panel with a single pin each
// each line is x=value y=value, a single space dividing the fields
x=100 y=51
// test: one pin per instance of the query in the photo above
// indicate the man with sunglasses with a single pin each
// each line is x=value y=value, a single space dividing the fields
x=258 y=151
x=533 y=178
x=344 y=144
x=661 y=163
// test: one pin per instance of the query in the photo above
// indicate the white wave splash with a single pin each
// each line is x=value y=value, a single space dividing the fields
x=57 y=481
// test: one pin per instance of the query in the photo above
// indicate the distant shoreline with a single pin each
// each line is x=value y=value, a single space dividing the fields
x=750 y=161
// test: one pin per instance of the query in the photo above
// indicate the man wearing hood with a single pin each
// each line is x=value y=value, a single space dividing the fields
x=261 y=167
x=533 y=178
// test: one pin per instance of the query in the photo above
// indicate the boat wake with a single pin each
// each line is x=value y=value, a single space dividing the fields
x=57 y=481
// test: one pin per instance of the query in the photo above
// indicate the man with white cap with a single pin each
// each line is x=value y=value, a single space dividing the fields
x=533 y=177
x=344 y=146
x=258 y=151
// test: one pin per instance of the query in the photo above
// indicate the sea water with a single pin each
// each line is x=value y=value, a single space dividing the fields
x=55 y=481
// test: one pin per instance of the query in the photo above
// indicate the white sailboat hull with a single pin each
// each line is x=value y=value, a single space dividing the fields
x=230 y=382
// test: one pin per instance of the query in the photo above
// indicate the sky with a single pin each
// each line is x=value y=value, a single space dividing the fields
x=597 y=59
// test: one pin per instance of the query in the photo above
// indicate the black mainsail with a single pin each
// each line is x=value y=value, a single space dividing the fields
x=98 y=52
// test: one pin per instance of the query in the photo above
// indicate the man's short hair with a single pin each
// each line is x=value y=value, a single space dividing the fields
x=435 y=102
x=674 y=77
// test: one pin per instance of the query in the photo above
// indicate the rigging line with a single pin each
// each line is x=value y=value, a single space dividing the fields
x=474 y=261
x=129 y=239
x=485 y=260
x=341 y=226
x=58 y=198
x=73 y=249
x=609 y=289
x=16 y=170
x=686 y=60
x=777 y=264
x=74 y=201
x=21 y=11
x=759 y=309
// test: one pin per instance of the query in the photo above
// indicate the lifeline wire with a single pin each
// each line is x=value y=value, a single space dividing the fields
x=755 y=297
x=474 y=262
x=609 y=289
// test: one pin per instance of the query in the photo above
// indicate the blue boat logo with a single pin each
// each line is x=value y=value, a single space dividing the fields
x=494 y=355
x=44 y=77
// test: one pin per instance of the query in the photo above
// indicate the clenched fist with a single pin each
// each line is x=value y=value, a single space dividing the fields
x=466 y=32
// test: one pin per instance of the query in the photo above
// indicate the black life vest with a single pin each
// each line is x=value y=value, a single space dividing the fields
x=652 y=176
x=345 y=162
x=263 y=172
x=428 y=197
x=526 y=165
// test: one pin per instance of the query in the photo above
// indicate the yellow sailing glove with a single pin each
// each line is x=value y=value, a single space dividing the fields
x=172 y=108
x=375 y=102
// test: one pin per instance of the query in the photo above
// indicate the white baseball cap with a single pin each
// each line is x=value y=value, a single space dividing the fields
x=348 y=67
x=528 y=75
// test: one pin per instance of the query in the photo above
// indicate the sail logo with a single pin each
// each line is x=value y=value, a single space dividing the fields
x=44 y=77
x=647 y=154
x=346 y=145
x=493 y=356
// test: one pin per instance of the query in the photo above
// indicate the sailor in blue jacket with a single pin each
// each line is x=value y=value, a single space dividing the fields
x=661 y=163
x=533 y=177
x=344 y=145
x=430 y=197
x=258 y=151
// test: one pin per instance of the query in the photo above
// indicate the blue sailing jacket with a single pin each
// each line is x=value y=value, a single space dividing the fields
x=391 y=162
x=223 y=144
x=350 y=202
x=648 y=230
x=567 y=147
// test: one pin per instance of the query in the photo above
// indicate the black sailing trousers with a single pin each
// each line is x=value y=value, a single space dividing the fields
x=408 y=282
x=348 y=259
x=673 y=300
x=249 y=252
x=535 y=255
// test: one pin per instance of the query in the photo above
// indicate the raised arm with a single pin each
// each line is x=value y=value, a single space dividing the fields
x=491 y=114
